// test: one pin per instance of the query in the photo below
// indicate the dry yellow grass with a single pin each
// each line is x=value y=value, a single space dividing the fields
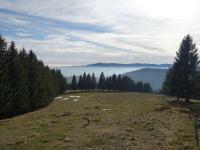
x=117 y=121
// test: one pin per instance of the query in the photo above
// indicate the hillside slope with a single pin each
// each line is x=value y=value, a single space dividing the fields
x=154 y=76
x=117 y=121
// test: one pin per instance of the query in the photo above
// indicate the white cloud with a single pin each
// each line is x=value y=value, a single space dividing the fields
x=141 y=30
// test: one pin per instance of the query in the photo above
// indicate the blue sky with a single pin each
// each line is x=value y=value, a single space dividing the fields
x=76 y=32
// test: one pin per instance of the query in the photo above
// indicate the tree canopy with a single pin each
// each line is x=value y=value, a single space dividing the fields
x=26 y=83
x=181 y=80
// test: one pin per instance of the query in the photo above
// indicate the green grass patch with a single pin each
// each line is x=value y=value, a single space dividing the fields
x=118 y=120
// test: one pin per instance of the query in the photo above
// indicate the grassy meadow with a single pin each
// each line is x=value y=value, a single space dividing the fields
x=118 y=120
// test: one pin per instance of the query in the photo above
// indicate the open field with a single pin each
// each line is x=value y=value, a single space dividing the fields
x=117 y=121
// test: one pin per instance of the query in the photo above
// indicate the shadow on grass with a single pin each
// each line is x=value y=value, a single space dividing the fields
x=193 y=106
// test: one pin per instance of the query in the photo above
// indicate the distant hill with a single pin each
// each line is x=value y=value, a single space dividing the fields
x=127 y=65
x=154 y=76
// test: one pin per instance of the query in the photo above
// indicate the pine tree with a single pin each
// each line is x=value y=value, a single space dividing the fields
x=51 y=91
x=139 y=86
x=114 y=82
x=133 y=85
x=119 y=80
x=26 y=83
x=102 y=82
x=147 y=88
x=167 y=87
x=22 y=102
x=33 y=75
x=182 y=77
x=80 y=83
x=6 y=100
x=74 y=83
x=84 y=81
x=41 y=94
x=108 y=83
x=88 y=82
x=126 y=83
x=12 y=73
x=93 y=82
x=55 y=80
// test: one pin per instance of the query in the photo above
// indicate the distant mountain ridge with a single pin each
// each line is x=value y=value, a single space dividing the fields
x=127 y=65
x=154 y=76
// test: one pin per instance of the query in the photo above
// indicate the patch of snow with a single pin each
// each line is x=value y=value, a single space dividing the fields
x=75 y=100
x=107 y=109
x=59 y=97
x=73 y=96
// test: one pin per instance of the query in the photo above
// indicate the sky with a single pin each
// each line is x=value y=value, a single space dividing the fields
x=80 y=32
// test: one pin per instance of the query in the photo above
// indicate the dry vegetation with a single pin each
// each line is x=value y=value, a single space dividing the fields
x=116 y=121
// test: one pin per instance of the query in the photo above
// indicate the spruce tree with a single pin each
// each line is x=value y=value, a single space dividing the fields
x=108 y=83
x=84 y=81
x=114 y=82
x=33 y=75
x=80 y=83
x=102 y=82
x=6 y=100
x=13 y=74
x=26 y=83
x=182 y=77
x=88 y=82
x=22 y=102
x=139 y=86
x=147 y=88
x=126 y=83
x=119 y=80
x=93 y=82
x=74 y=83
x=50 y=84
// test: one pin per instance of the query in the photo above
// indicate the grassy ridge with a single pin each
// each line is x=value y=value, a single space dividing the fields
x=117 y=121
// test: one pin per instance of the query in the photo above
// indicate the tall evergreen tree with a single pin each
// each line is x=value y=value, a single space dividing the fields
x=84 y=81
x=102 y=82
x=88 y=82
x=80 y=83
x=6 y=100
x=182 y=77
x=147 y=88
x=51 y=90
x=21 y=104
x=12 y=73
x=74 y=83
x=114 y=82
x=93 y=82
x=119 y=80
x=33 y=75
x=25 y=83
x=126 y=83
x=139 y=86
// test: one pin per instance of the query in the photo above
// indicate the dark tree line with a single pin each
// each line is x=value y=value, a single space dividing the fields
x=114 y=82
x=85 y=82
x=183 y=79
x=26 y=84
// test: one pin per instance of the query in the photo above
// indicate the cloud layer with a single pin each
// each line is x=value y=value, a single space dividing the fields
x=76 y=32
